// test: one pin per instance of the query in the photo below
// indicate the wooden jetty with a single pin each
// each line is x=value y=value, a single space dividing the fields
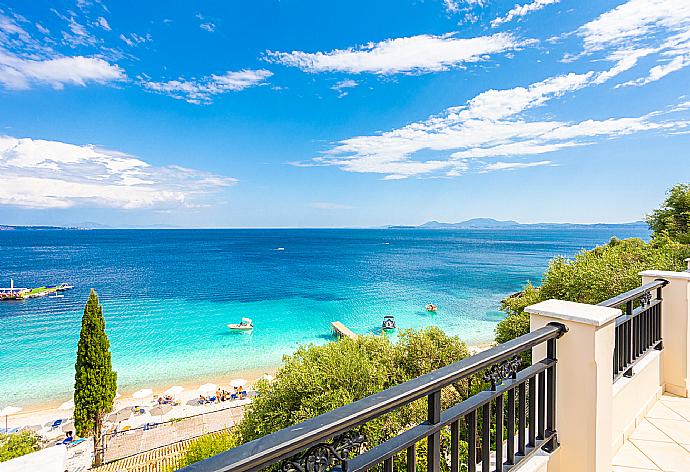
x=341 y=330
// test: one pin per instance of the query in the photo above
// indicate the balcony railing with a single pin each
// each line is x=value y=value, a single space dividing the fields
x=518 y=404
x=638 y=329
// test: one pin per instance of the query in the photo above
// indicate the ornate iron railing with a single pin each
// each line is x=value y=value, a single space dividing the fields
x=506 y=423
x=638 y=329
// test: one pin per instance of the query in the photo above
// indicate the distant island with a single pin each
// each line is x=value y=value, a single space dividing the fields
x=474 y=223
x=490 y=223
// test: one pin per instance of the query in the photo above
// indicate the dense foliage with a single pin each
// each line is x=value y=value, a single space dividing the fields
x=18 y=444
x=317 y=379
x=207 y=446
x=95 y=383
x=605 y=271
x=673 y=218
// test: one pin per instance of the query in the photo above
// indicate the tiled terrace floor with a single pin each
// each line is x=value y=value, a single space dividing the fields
x=661 y=441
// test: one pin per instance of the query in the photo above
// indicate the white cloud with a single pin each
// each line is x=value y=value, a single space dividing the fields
x=53 y=174
x=635 y=20
x=202 y=90
x=454 y=6
x=329 y=206
x=341 y=87
x=515 y=165
x=134 y=39
x=414 y=54
x=522 y=10
x=660 y=71
x=103 y=23
x=210 y=27
x=659 y=27
x=17 y=73
x=491 y=125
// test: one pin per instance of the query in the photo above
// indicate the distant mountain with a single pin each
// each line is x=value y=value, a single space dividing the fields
x=483 y=223
x=490 y=223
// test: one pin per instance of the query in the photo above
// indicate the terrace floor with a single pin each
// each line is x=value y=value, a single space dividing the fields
x=661 y=442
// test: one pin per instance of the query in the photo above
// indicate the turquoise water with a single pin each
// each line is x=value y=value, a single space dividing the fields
x=167 y=295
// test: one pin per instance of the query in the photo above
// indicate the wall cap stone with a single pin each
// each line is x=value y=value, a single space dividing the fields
x=579 y=312
x=666 y=274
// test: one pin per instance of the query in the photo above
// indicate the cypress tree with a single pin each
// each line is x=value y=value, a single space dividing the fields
x=95 y=383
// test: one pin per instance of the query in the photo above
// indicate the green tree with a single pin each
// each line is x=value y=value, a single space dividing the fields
x=592 y=277
x=673 y=218
x=18 y=444
x=95 y=383
x=317 y=379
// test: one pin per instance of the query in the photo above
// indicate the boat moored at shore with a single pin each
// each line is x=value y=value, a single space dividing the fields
x=17 y=293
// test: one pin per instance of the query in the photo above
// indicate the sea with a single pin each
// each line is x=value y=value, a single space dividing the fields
x=168 y=295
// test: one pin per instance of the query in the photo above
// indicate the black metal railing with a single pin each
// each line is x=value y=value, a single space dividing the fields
x=506 y=423
x=638 y=329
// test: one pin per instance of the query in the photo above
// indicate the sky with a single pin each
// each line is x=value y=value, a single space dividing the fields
x=286 y=113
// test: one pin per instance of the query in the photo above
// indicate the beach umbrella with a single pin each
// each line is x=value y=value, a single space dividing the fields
x=143 y=393
x=208 y=388
x=122 y=415
x=160 y=410
x=267 y=377
x=67 y=405
x=237 y=383
x=8 y=411
x=174 y=390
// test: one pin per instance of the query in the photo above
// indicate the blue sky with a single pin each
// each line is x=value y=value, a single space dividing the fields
x=295 y=113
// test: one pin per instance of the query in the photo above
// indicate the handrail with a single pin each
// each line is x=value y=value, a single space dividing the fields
x=633 y=294
x=287 y=442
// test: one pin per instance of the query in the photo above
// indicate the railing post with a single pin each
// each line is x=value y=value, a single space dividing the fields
x=434 y=441
x=675 y=329
x=583 y=379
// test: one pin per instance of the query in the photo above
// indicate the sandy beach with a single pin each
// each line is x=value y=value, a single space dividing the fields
x=47 y=413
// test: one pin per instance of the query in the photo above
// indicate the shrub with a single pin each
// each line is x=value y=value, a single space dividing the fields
x=317 y=379
x=592 y=277
x=207 y=446
x=17 y=444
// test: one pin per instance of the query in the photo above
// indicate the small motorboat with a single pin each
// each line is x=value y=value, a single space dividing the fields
x=388 y=323
x=431 y=307
x=245 y=325
x=57 y=295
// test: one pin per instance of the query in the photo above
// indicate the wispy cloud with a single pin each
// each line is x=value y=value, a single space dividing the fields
x=134 y=39
x=659 y=27
x=342 y=86
x=515 y=165
x=208 y=26
x=491 y=125
x=53 y=174
x=25 y=62
x=522 y=10
x=19 y=74
x=103 y=23
x=198 y=91
x=410 y=55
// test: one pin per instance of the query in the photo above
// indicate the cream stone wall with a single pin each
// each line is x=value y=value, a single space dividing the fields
x=675 y=329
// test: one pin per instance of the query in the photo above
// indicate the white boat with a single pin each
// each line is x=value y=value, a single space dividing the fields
x=245 y=325
x=57 y=295
x=388 y=323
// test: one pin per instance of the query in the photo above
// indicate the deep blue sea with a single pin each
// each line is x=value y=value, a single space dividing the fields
x=167 y=295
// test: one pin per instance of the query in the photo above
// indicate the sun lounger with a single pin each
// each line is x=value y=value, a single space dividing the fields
x=76 y=442
x=55 y=424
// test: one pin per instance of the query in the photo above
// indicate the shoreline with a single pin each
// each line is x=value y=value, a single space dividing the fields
x=44 y=412
x=47 y=411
